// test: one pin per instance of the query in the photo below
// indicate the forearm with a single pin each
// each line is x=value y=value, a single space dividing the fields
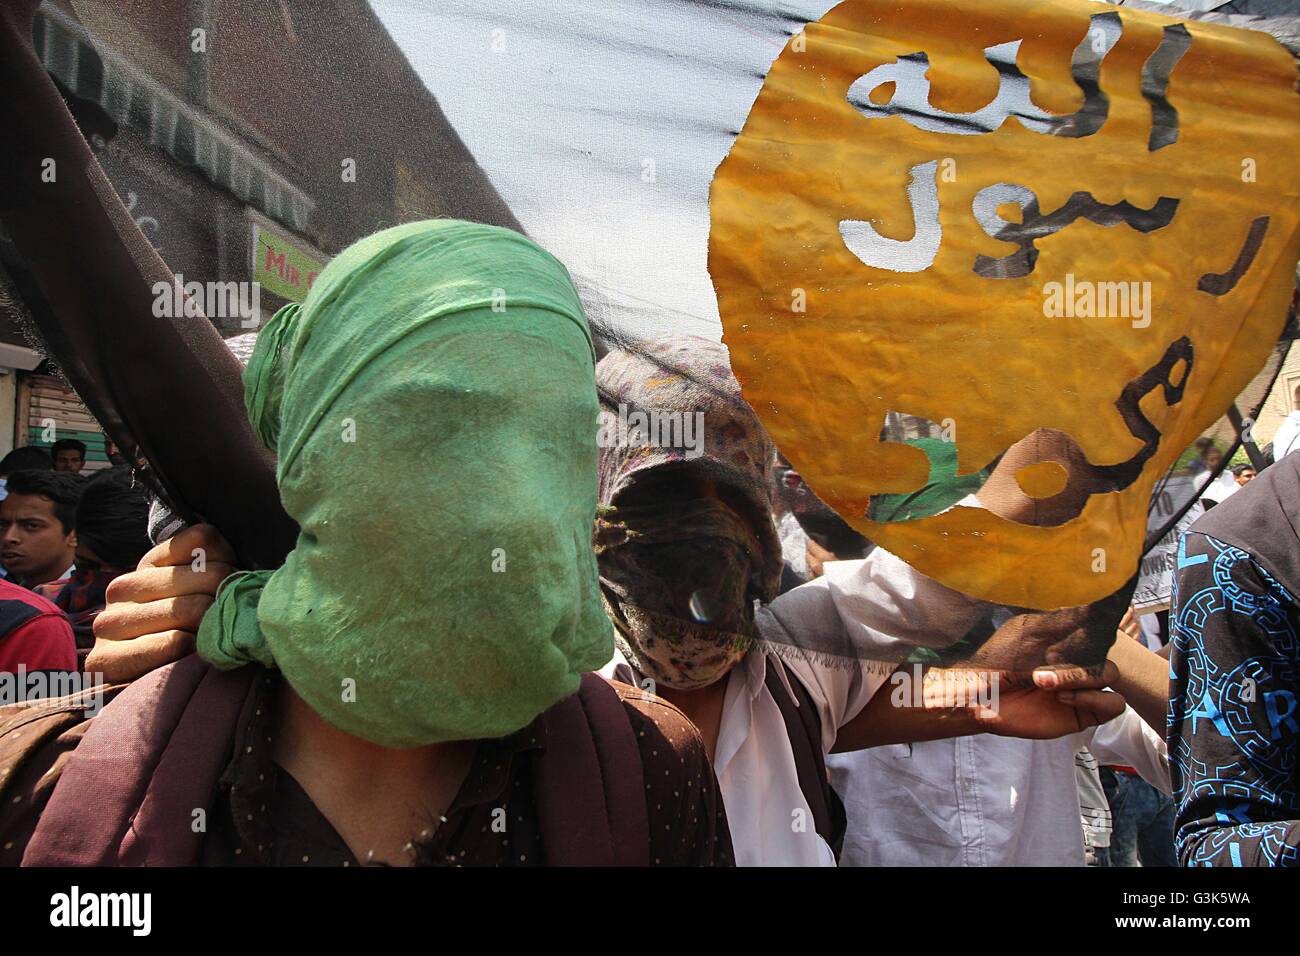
x=1245 y=844
x=1143 y=680
x=892 y=718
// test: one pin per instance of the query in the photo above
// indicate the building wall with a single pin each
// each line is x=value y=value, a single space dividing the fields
x=8 y=404
x=256 y=134
x=1280 y=401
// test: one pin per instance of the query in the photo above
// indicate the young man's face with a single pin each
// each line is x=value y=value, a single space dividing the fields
x=33 y=544
x=68 y=459
x=1245 y=476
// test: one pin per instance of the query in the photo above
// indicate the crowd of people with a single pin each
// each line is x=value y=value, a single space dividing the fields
x=731 y=648
x=63 y=538
x=489 y=629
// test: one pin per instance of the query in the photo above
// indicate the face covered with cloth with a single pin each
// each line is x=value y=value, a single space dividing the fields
x=684 y=537
x=432 y=407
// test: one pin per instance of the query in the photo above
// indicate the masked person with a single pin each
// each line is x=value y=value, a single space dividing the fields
x=689 y=560
x=352 y=705
x=768 y=721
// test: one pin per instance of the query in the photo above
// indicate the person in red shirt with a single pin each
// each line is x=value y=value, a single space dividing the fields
x=33 y=633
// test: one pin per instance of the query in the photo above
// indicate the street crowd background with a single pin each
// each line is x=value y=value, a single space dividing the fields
x=671 y=651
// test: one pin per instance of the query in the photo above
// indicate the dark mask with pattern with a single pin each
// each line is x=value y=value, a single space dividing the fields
x=679 y=582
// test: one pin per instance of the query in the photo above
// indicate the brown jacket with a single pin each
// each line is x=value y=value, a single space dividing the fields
x=184 y=748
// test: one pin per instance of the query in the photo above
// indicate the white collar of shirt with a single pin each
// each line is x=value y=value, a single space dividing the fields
x=771 y=823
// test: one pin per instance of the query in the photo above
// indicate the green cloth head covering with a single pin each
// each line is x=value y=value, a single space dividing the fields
x=433 y=407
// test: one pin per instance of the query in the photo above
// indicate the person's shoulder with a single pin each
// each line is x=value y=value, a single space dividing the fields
x=649 y=713
x=34 y=633
x=28 y=720
x=26 y=730
x=686 y=818
x=1267 y=498
x=36 y=742
x=1203 y=557
x=17 y=601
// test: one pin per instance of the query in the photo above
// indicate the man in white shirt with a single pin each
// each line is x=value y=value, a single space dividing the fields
x=980 y=800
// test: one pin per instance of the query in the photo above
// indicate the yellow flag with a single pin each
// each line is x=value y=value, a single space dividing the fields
x=1001 y=218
